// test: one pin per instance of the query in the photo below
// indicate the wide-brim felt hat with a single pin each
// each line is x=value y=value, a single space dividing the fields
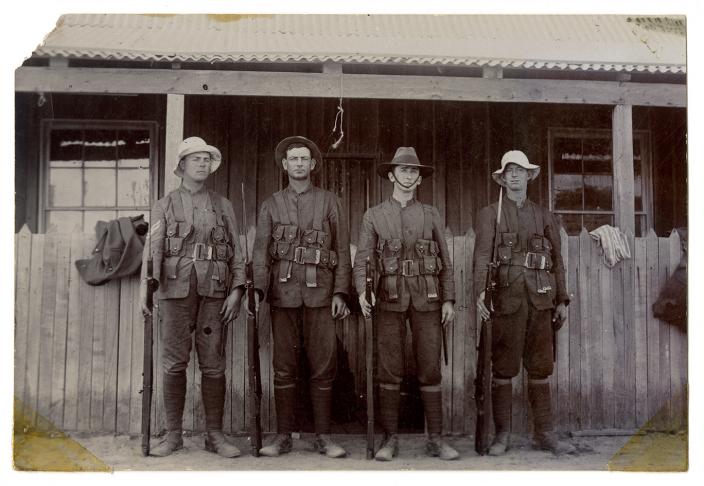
x=519 y=158
x=192 y=145
x=280 y=151
x=404 y=156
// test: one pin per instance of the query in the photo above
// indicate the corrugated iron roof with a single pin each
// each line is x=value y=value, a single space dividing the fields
x=575 y=42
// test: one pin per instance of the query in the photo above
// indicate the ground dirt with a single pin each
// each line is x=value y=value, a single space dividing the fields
x=122 y=453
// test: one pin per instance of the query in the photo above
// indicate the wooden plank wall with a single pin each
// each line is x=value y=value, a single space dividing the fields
x=78 y=348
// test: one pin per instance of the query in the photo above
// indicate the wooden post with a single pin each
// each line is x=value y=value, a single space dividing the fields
x=623 y=167
x=174 y=136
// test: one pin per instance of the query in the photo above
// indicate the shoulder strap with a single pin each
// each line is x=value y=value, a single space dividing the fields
x=177 y=206
x=319 y=209
x=217 y=207
x=282 y=209
x=427 y=222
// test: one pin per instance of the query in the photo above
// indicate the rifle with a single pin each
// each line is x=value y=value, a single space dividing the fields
x=147 y=367
x=482 y=382
x=253 y=368
x=369 y=349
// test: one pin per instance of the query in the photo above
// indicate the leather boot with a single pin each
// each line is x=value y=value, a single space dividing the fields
x=321 y=400
x=388 y=449
x=501 y=395
x=216 y=442
x=171 y=443
x=543 y=436
x=174 y=393
x=436 y=447
x=325 y=445
x=281 y=444
x=213 y=392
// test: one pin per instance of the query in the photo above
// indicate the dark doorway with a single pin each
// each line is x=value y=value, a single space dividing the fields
x=352 y=177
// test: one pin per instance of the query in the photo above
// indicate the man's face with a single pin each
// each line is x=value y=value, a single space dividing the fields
x=196 y=166
x=515 y=177
x=298 y=163
x=405 y=177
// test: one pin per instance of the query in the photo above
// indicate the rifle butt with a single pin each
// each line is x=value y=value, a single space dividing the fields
x=369 y=351
x=147 y=381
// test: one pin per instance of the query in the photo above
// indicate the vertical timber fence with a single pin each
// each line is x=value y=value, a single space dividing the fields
x=78 y=348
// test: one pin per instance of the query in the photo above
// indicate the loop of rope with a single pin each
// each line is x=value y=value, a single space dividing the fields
x=339 y=116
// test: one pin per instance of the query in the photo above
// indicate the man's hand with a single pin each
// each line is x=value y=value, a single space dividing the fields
x=448 y=313
x=366 y=306
x=339 y=307
x=143 y=298
x=257 y=298
x=483 y=309
x=231 y=307
x=559 y=316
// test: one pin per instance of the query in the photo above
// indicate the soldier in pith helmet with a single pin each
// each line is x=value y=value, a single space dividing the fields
x=302 y=267
x=531 y=301
x=405 y=240
x=197 y=259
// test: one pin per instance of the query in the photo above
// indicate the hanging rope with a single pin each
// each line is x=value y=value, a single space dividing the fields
x=339 y=117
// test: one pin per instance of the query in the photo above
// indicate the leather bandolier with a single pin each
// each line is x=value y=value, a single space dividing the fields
x=210 y=257
x=394 y=260
x=534 y=254
x=294 y=245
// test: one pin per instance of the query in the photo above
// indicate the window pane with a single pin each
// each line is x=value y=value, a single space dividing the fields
x=598 y=192
x=64 y=187
x=597 y=155
x=66 y=148
x=572 y=223
x=99 y=186
x=568 y=191
x=92 y=217
x=133 y=187
x=133 y=148
x=64 y=221
x=567 y=155
x=100 y=148
x=593 y=221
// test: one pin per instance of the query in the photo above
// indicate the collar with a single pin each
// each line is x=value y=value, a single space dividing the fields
x=397 y=203
x=513 y=203
x=183 y=188
x=292 y=191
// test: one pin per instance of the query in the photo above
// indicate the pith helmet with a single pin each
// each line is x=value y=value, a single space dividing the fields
x=519 y=158
x=191 y=145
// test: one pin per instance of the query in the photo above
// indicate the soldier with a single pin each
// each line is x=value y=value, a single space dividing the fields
x=531 y=301
x=301 y=262
x=406 y=241
x=198 y=262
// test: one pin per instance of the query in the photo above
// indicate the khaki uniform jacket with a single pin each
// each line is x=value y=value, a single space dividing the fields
x=199 y=213
x=408 y=225
x=545 y=288
x=301 y=208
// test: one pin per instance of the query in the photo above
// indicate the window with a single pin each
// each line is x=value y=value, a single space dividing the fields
x=582 y=179
x=96 y=171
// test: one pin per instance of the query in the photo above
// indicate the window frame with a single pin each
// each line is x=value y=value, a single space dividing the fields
x=48 y=125
x=641 y=136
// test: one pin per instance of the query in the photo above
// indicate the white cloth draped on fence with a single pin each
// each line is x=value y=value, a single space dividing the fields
x=613 y=242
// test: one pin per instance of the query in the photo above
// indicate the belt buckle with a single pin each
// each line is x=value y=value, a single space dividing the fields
x=199 y=249
x=407 y=268
x=535 y=261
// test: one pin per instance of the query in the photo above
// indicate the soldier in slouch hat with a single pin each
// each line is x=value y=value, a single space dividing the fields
x=406 y=241
x=302 y=266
